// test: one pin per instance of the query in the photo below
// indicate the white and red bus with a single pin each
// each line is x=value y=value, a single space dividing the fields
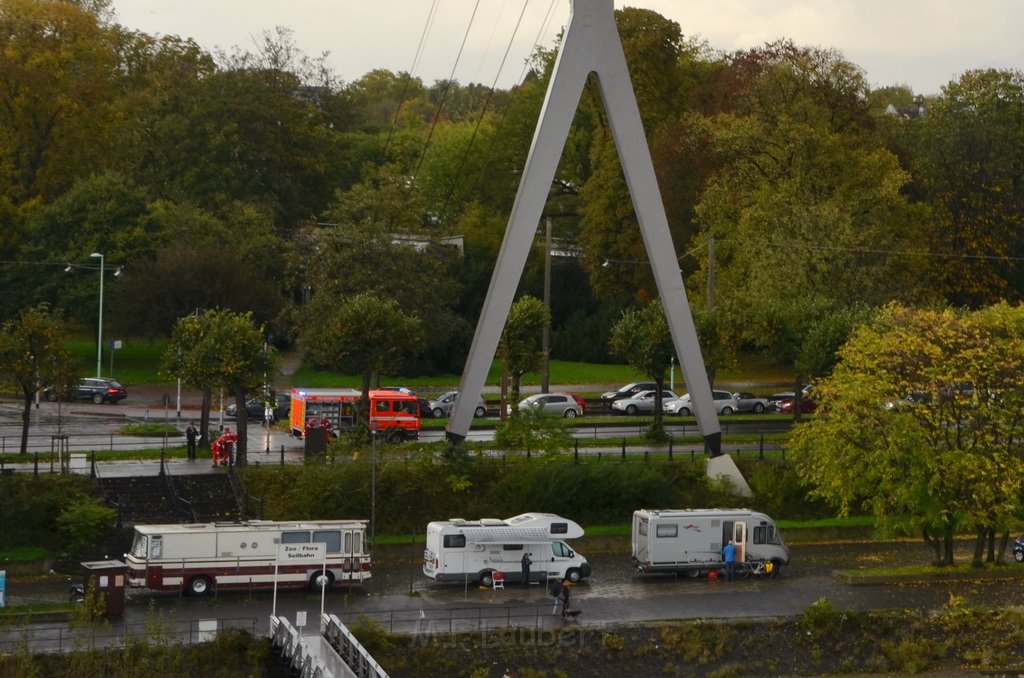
x=200 y=557
x=394 y=415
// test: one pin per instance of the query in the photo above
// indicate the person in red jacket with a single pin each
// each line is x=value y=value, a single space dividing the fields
x=227 y=442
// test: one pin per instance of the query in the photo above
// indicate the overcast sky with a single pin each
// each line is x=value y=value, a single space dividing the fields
x=921 y=43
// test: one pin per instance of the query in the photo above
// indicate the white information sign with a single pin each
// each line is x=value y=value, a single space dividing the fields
x=300 y=618
x=301 y=553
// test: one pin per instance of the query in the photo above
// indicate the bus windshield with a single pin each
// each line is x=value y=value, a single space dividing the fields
x=140 y=545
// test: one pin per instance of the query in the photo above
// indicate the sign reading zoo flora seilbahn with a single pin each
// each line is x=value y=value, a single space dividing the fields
x=301 y=553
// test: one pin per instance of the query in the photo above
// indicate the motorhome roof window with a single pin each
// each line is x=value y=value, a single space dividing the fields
x=559 y=528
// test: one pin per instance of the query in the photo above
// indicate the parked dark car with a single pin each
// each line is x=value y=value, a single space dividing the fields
x=254 y=409
x=628 y=391
x=92 y=388
x=806 y=406
x=1018 y=549
x=776 y=400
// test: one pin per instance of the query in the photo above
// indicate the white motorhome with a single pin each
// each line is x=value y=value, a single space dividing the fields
x=200 y=556
x=462 y=550
x=690 y=541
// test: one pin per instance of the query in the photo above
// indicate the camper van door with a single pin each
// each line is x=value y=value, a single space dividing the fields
x=739 y=538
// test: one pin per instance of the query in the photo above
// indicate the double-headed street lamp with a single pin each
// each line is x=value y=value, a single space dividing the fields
x=99 y=332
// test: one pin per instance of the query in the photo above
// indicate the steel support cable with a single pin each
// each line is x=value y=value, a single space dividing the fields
x=444 y=94
x=412 y=72
x=483 y=111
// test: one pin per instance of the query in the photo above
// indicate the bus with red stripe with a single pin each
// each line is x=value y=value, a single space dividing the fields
x=198 y=558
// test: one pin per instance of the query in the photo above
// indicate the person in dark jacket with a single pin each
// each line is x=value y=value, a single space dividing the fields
x=191 y=436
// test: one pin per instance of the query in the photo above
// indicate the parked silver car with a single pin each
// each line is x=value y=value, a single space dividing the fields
x=724 y=402
x=748 y=402
x=642 y=403
x=442 y=407
x=565 y=405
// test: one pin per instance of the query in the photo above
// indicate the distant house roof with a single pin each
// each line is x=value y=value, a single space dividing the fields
x=914 y=112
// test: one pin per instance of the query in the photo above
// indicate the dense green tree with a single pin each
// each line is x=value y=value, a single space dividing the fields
x=231 y=260
x=104 y=213
x=519 y=348
x=366 y=334
x=969 y=159
x=220 y=350
x=807 y=210
x=33 y=352
x=377 y=242
x=665 y=68
x=245 y=134
x=922 y=424
x=642 y=338
x=804 y=334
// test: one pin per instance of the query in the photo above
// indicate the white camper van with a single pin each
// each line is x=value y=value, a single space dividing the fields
x=690 y=541
x=459 y=550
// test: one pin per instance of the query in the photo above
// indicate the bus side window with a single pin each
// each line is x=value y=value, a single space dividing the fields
x=330 y=537
x=295 y=537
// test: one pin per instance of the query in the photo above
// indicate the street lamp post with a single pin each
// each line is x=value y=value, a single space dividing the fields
x=99 y=332
x=373 y=489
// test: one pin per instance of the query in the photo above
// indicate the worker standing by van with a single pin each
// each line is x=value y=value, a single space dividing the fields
x=729 y=556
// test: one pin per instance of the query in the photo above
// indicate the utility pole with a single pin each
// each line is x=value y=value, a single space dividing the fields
x=545 y=378
x=711 y=299
x=711 y=275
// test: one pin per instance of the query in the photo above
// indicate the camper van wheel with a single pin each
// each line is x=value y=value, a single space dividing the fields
x=487 y=578
x=480 y=413
x=573 y=575
x=693 y=574
x=315 y=580
x=199 y=586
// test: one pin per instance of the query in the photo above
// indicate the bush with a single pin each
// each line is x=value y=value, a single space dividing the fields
x=412 y=493
x=30 y=506
x=84 y=522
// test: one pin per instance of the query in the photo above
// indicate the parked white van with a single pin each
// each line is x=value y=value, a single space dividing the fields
x=690 y=541
x=462 y=550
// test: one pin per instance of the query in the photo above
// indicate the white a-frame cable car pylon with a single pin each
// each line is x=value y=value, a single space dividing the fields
x=590 y=45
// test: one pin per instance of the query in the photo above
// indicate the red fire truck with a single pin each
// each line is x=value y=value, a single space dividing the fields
x=393 y=415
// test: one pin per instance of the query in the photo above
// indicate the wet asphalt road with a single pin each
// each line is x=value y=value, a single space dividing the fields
x=400 y=596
